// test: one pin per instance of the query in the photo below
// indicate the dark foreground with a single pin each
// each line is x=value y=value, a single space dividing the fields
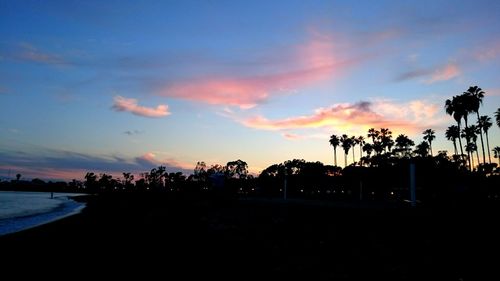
x=262 y=239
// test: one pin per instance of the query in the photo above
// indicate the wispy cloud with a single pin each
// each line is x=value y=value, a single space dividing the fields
x=409 y=117
x=447 y=72
x=130 y=105
x=132 y=132
x=431 y=75
x=311 y=62
x=30 y=53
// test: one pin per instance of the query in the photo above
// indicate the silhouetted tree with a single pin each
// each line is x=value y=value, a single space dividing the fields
x=497 y=117
x=470 y=148
x=18 y=177
x=346 y=145
x=127 y=180
x=452 y=134
x=485 y=124
x=475 y=96
x=334 y=141
x=237 y=168
x=496 y=153
x=361 y=142
x=200 y=171
x=403 y=145
x=429 y=136
x=422 y=149
x=91 y=181
x=386 y=139
x=456 y=107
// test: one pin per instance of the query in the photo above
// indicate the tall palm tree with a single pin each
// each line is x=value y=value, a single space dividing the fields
x=334 y=141
x=429 y=135
x=386 y=139
x=361 y=142
x=374 y=134
x=368 y=148
x=456 y=107
x=346 y=145
x=485 y=124
x=496 y=153
x=469 y=133
x=470 y=148
x=497 y=117
x=475 y=95
x=452 y=134
x=354 y=141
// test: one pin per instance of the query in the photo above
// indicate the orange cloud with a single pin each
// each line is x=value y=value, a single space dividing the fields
x=410 y=117
x=311 y=62
x=126 y=104
x=448 y=72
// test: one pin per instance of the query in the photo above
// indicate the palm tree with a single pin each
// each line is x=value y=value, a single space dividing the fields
x=354 y=142
x=452 y=134
x=469 y=133
x=429 y=136
x=346 y=145
x=374 y=134
x=456 y=108
x=368 y=148
x=496 y=153
x=476 y=95
x=334 y=141
x=403 y=145
x=361 y=142
x=470 y=148
x=485 y=124
x=386 y=139
x=497 y=116
x=422 y=149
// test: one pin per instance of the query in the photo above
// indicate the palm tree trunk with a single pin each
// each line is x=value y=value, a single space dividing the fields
x=467 y=140
x=481 y=135
x=353 y=157
x=455 y=146
x=460 y=141
x=345 y=159
x=335 y=155
x=471 y=158
x=361 y=152
x=430 y=147
x=477 y=154
x=488 y=145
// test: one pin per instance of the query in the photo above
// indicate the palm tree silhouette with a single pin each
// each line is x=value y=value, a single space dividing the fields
x=334 y=141
x=475 y=95
x=497 y=117
x=361 y=142
x=470 y=148
x=422 y=149
x=429 y=136
x=456 y=107
x=496 y=153
x=354 y=141
x=403 y=145
x=485 y=124
x=452 y=134
x=346 y=144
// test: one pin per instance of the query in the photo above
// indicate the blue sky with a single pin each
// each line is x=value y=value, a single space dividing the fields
x=112 y=86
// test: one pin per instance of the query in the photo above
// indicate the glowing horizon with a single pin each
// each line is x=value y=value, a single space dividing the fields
x=121 y=87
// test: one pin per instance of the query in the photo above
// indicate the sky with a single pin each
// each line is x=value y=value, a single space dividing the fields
x=125 y=86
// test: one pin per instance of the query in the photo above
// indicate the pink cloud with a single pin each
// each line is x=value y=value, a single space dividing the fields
x=409 y=117
x=127 y=104
x=312 y=62
x=448 y=72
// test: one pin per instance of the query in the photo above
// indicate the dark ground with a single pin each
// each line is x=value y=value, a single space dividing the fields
x=262 y=239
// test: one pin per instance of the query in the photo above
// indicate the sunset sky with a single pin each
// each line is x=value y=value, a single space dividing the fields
x=124 y=86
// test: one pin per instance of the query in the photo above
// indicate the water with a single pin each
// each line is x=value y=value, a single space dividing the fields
x=21 y=210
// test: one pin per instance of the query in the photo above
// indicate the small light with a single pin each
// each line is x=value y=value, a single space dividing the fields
x=392 y=193
x=253 y=189
x=301 y=190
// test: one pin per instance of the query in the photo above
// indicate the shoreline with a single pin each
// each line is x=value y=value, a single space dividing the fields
x=68 y=207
